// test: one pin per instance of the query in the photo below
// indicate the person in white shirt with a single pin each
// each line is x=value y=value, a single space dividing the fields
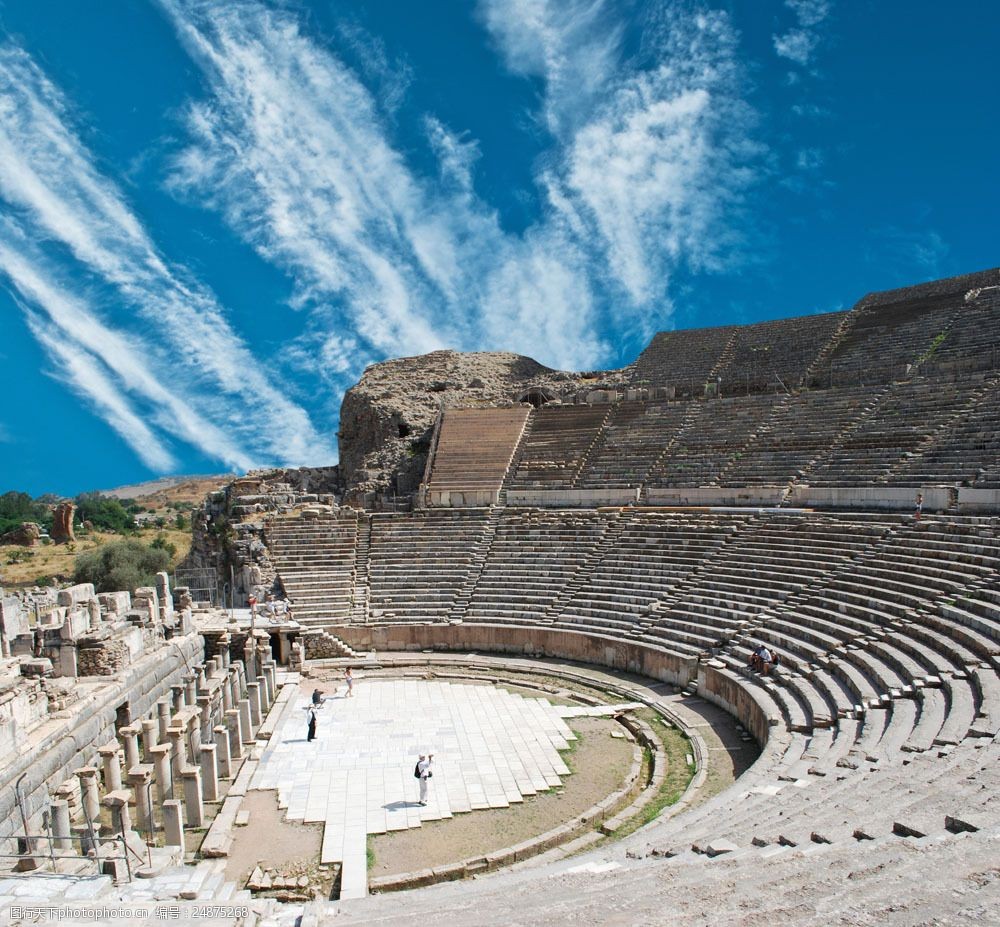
x=424 y=773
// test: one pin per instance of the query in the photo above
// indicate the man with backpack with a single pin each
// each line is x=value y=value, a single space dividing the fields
x=422 y=771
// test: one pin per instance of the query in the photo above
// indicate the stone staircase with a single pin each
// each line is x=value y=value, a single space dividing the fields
x=314 y=555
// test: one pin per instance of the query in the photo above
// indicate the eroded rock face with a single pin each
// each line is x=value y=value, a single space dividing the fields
x=62 y=523
x=386 y=420
x=25 y=535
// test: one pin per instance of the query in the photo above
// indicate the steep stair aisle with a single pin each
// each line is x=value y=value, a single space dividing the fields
x=360 y=590
x=481 y=552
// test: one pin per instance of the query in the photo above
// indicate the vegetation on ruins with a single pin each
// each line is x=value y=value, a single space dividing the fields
x=124 y=564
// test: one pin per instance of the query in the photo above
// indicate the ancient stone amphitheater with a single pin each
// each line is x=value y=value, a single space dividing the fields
x=827 y=485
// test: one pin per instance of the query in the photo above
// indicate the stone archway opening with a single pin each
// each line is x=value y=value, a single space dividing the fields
x=537 y=397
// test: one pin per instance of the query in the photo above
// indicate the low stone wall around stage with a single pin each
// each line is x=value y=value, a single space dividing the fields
x=524 y=641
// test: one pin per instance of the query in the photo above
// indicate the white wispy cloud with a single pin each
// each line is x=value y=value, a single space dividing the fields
x=648 y=163
x=63 y=212
x=798 y=43
x=575 y=45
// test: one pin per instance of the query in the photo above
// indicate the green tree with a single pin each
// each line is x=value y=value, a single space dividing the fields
x=121 y=565
x=18 y=507
x=104 y=512
x=180 y=522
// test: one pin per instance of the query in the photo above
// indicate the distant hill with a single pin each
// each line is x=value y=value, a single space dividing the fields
x=156 y=493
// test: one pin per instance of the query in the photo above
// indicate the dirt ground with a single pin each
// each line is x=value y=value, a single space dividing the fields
x=599 y=763
x=269 y=840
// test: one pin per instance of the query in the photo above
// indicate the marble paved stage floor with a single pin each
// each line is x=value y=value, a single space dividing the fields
x=491 y=748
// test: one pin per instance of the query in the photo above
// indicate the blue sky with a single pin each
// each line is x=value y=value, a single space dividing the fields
x=213 y=216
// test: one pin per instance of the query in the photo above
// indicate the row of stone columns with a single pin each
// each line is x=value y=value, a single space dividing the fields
x=175 y=758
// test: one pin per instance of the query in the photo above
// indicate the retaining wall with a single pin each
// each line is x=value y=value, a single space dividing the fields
x=524 y=641
x=571 y=498
x=893 y=498
x=718 y=687
x=717 y=495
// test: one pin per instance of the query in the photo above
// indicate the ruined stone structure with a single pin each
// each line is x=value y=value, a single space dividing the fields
x=735 y=487
x=62 y=523
x=24 y=535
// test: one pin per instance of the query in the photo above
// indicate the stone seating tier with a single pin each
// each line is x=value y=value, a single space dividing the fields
x=555 y=445
x=475 y=447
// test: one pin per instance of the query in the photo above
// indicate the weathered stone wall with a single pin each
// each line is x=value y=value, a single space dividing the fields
x=227 y=532
x=105 y=659
x=525 y=641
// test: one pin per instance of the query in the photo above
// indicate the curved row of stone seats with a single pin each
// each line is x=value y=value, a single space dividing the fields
x=776 y=355
x=419 y=562
x=912 y=795
x=905 y=417
x=532 y=558
x=555 y=444
x=973 y=340
x=885 y=341
x=631 y=442
x=963 y=451
x=715 y=432
x=475 y=447
x=651 y=554
x=873 y=624
x=314 y=559
x=798 y=432
x=684 y=359
x=761 y=564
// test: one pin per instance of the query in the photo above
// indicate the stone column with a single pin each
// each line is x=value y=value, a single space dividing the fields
x=112 y=767
x=59 y=812
x=265 y=701
x=178 y=759
x=222 y=752
x=193 y=809
x=224 y=651
x=201 y=682
x=139 y=779
x=177 y=694
x=89 y=793
x=173 y=823
x=163 y=716
x=227 y=695
x=149 y=737
x=121 y=821
x=246 y=722
x=162 y=772
x=209 y=773
x=130 y=740
x=190 y=690
x=269 y=682
x=235 y=725
x=236 y=692
x=249 y=658
x=94 y=614
x=193 y=726
x=204 y=714
x=253 y=697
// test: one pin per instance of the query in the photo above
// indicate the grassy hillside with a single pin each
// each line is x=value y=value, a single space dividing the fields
x=28 y=566
x=164 y=504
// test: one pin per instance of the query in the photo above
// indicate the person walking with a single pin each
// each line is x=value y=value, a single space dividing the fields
x=423 y=773
x=349 y=678
x=311 y=736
